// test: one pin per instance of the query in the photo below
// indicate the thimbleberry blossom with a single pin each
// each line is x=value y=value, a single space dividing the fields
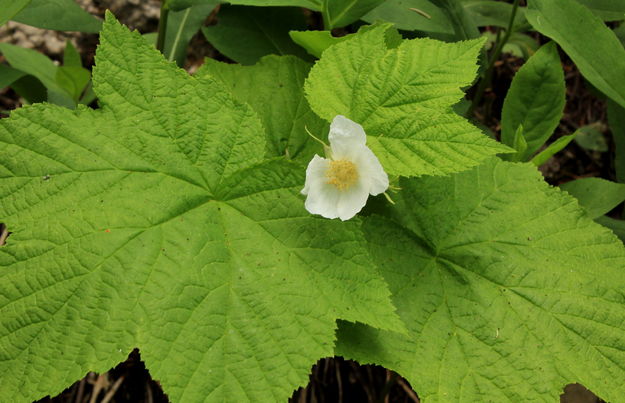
x=339 y=186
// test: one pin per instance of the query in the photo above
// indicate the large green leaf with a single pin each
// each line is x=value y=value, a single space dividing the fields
x=535 y=100
x=9 y=75
x=61 y=15
x=594 y=47
x=607 y=10
x=152 y=222
x=403 y=98
x=509 y=290
x=616 y=118
x=274 y=88
x=245 y=34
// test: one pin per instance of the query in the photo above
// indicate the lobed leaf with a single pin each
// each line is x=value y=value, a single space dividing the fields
x=403 y=98
x=154 y=222
x=508 y=289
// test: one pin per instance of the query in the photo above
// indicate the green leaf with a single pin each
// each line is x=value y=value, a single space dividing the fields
x=607 y=10
x=493 y=13
x=71 y=57
x=9 y=8
x=60 y=15
x=9 y=75
x=591 y=138
x=153 y=222
x=461 y=21
x=245 y=34
x=509 y=290
x=73 y=80
x=616 y=119
x=315 y=42
x=519 y=45
x=181 y=27
x=403 y=98
x=178 y=5
x=274 y=88
x=36 y=64
x=519 y=144
x=593 y=47
x=552 y=149
x=535 y=100
x=597 y=196
x=31 y=89
x=338 y=13
x=412 y=15
x=617 y=226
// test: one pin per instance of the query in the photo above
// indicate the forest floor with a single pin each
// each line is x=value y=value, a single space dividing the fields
x=332 y=379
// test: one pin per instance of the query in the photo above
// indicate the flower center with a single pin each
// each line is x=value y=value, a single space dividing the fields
x=342 y=174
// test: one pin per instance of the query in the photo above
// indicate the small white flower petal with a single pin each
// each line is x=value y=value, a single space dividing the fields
x=315 y=172
x=370 y=169
x=323 y=199
x=344 y=136
x=352 y=201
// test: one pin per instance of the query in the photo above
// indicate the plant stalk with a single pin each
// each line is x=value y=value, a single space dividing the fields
x=162 y=27
x=488 y=74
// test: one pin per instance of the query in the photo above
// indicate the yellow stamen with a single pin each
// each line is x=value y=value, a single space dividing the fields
x=342 y=174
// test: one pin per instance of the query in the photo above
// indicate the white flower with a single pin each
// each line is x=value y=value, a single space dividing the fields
x=340 y=185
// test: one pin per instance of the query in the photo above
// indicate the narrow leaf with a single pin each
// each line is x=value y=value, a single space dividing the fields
x=9 y=8
x=593 y=47
x=552 y=149
x=9 y=75
x=71 y=57
x=616 y=118
x=181 y=27
x=597 y=196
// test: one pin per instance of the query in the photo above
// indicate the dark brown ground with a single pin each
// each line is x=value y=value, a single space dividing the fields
x=335 y=379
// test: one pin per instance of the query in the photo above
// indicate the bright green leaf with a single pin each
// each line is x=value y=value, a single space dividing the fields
x=181 y=26
x=274 y=88
x=552 y=149
x=597 y=196
x=152 y=222
x=403 y=98
x=519 y=144
x=245 y=34
x=591 y=138
x=60 y=15
x=509 y=290
x=315 y=42
x=535 y=100
x=338 y=13
x=593 y=47
x=9 y=8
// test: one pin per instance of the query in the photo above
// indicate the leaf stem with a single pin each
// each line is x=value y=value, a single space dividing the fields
x=488 y=74
x=162 y=27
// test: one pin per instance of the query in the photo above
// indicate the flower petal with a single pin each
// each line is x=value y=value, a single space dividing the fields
x=371 y=171
x=323 y=199
x=352 y=201
x=344 y=136
x=316 y=171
